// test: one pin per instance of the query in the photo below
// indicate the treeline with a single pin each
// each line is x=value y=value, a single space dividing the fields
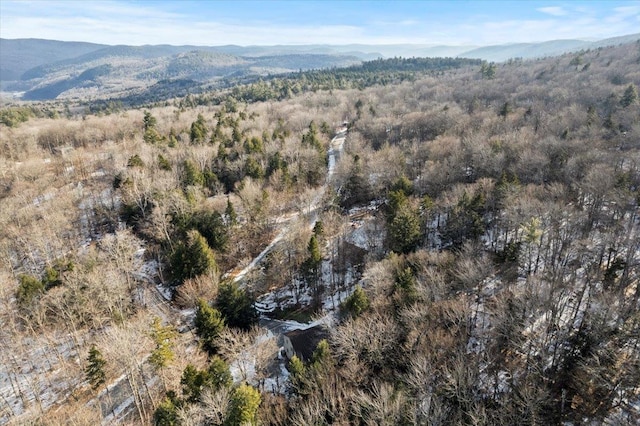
x=279 y=87
x=367 y=74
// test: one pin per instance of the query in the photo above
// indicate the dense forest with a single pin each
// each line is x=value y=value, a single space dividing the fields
x=466 y=234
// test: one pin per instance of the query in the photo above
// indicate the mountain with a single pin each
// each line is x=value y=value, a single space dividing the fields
x=20 y=55
x=48 y=69
x=525 y=50
x=119 y=70
x=503 y=52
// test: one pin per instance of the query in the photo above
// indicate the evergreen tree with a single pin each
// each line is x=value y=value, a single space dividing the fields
x=95 y=368
x=135 y=161
x=150 y=133
x=253 y=169
x=488 y=70
x=318 y=228
x=357 y=303
x=173 y=138
x=29 y=289
x=210 y=224
x=403 y=184
x=359 y=104
x=630 y=96
x=53 y=274
x=198 y=130
x=191 y=174
x=162 y=337
x=163 y=163
x=149 y=121
x=405 y=285
x=219 y=375
x=151 y=136
x=192 y=381
x=236 y=134
x=397 y=199
x=465 y=220
x=236 y=306
x=315 y=257
x=193 y=258
x=404 y=230
x=357 y=189
x=311 y=137
x=230 y=212
x=505 y=110
x=253 y=146
x=321 y=357
x=491 y=71
x=166 y=414
x=209 y=323
x=298 y=374
x=244 y=406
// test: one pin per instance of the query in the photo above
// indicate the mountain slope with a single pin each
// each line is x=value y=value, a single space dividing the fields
x=20 y=55
x=502 y=52
x=46 y=69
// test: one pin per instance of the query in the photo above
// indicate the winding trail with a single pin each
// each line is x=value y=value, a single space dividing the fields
x=335 y=150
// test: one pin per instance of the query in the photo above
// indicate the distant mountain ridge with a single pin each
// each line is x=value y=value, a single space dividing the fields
x=500 y=53
x=46 y=69
x=20 y=55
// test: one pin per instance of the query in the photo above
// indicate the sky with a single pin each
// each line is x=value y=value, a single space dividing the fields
x=212 y=23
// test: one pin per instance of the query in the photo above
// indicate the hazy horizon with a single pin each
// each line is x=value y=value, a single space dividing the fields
x=268 y=23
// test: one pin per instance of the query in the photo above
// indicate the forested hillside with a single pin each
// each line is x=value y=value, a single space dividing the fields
x=467 y=236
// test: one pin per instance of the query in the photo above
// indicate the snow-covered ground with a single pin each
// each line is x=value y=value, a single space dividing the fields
x=40 y=378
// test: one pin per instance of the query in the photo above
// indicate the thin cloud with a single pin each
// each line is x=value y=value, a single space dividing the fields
x=116 y=22
x=553 y=10
x=624 y=13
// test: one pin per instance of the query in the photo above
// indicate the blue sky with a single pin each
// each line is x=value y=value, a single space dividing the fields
x=316 y=22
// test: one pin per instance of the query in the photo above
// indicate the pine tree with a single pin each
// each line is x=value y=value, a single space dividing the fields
x=315 y=257
x=357 y=189
x=404 y=230
x=505 y=110
x=630 y=96
x=311 y=137
x=191 y=174
x=219 y=375
x=166 y=414
x=209 y=324
x=193 y=258
x=95 y=368
x=163 y=337
x=405 y=284
x=198 y=130
x=30 y=289
x=150 y=133
x=149 y=121
x=230 y=212
x=163 y=163
x=135 y=161
x=298 y=374
x=487 y=70
x=244 y=406
x=357 y=303
x=403 y=184
x=318 y=228
x=236 y=306
x=253 y=169
x=192 y=381
x=321 y=357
